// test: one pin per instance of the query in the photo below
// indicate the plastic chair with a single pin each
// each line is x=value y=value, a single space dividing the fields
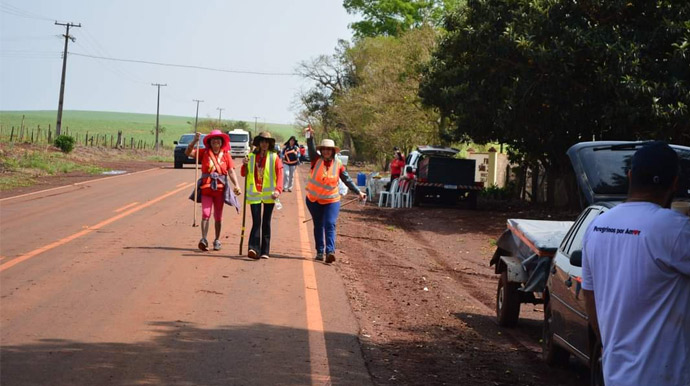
x=404 y=196
x=386 y=197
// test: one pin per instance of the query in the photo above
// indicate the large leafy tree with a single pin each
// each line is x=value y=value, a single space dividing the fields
x=385 y=109
x=394 y=17
x=541 y=75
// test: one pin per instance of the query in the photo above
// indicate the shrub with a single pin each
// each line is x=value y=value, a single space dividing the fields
x=64 y=143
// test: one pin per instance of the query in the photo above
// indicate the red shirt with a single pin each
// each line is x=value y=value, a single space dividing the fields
x=225 y=162
x=261 y=163
x=396 y=166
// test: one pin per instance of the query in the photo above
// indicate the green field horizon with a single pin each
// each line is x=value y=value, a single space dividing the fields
x=138 y=126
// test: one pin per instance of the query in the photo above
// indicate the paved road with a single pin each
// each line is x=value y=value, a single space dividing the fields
x=101 y=284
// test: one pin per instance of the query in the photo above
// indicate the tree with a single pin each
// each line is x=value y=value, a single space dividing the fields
x=394 y=17
x=543 y=75
x=384 y=109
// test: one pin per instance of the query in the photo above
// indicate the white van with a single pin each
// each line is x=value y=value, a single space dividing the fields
x=239 y=143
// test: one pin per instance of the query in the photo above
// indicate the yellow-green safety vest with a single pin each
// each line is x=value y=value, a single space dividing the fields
x=269 y=181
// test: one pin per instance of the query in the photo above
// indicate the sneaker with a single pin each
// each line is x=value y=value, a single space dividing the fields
x=203 y=244
x=330 y=257
x=264 y=256
x=216 y=245
x=319 y=257
x=252 y=254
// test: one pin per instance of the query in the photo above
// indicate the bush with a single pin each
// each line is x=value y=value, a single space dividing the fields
x=64 y=143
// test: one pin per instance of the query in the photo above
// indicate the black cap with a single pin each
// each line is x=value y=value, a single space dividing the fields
x=654 y=164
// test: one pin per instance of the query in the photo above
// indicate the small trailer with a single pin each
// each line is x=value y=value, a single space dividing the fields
x=523 y=259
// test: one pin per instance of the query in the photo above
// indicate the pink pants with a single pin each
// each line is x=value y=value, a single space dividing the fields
x=217 y=203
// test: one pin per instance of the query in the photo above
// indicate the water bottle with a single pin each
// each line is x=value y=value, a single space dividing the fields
x=279 y=206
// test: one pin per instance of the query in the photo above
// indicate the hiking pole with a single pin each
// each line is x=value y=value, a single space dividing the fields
x=347 y=203
x=196 y=181
x=244 y=207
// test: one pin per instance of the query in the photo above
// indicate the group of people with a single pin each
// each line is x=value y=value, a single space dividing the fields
x=268 y=173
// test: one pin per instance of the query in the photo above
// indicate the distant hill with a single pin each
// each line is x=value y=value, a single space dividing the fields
x=132 y=125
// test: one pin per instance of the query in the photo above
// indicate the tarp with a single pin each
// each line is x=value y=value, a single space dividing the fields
x=534 y=242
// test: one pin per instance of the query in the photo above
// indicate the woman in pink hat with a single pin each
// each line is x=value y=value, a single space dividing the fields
x=216 y=169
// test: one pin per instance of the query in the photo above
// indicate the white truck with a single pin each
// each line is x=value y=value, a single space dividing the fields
x=239 y=142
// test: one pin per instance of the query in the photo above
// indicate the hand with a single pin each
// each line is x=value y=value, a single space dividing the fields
x=245 y=160
x=197 y=136
x=309 y=130
x=362 y=196
x=237 y=191
x=275 y=194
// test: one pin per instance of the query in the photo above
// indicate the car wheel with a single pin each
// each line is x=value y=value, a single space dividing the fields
x=552 y=353
x=507 y=302
x=178 y=164
x=596 y=369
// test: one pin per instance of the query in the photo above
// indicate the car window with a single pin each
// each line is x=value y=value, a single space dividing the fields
x=576 y=241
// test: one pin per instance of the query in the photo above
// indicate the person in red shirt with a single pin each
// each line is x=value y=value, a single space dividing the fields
x=216 y=168
x=397 y=165
x=323 y=197
x=264 y=172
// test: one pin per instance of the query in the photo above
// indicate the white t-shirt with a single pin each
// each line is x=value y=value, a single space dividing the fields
x=636 y=259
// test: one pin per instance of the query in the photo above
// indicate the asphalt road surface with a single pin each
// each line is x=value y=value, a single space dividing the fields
x=101 y=283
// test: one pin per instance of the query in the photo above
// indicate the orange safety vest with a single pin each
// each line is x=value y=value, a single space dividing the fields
x=291 y=160
x=212 y=163
x=322 y=186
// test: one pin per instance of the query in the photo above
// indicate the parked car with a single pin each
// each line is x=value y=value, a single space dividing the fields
x=180 y=147
x=442 y=178
x=601 y=171
x=540 y=261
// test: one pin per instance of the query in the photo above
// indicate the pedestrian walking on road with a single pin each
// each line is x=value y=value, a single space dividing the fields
x=216 y=169
x=290 y=160
x=636 y=277
x=323 y=198
x=264 y=172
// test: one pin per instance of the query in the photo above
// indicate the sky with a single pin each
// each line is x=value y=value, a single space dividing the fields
x=271 y=36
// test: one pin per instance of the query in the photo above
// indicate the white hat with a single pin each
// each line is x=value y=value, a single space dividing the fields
x=328 y=143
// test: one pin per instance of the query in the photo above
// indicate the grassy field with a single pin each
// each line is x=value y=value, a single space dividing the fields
x=136 y=126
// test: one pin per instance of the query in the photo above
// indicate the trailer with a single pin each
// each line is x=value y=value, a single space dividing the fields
x=522 y=259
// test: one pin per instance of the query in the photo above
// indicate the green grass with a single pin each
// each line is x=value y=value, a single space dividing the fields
x=39 y=162
x=137 y=126
x=15 y=181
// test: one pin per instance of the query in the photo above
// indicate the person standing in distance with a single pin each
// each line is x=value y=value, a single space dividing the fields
x=636 y=280
x=290 y=160
x=323 y=198
x=264 y=172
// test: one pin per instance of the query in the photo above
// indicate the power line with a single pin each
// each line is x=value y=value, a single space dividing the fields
x=14 y=11
x=188 y=66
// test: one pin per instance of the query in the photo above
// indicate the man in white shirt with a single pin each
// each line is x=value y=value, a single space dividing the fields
x=636 y=277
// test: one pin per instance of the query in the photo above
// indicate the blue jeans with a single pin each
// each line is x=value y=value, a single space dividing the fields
x=324 y=217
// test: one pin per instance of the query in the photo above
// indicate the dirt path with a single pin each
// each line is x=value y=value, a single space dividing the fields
x=422 y=290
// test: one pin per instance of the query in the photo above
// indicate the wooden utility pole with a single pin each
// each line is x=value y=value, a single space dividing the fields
x=255 y=118
x=196 y=119
x=220 y=111
x=158 y=105
x=64 y=70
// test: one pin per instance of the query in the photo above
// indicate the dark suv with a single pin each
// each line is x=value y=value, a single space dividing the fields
x=601 y=171
x=181 y=146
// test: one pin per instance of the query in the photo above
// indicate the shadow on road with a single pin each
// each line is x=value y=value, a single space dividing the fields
x=182 y=354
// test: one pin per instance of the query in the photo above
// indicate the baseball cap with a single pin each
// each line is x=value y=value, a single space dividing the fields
x=654 y=164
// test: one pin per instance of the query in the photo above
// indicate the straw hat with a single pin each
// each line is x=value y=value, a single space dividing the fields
x=267 y=136
x=325 y=143
x=217 y=134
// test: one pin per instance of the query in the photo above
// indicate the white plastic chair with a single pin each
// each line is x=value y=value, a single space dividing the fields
x=386 y=196
x=403 y=196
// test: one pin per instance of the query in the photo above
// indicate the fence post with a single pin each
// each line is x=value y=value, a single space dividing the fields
x=86 y=139
x=38 y=134
x=32 y=136
x=12 y=134
x=50 y=136
x=131 y=142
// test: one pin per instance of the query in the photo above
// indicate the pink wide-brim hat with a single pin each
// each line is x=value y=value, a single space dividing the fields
x=217 y=134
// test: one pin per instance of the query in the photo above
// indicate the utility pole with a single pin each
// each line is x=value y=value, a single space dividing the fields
x=220 y=112
x=158 y=105
x=64 y=70
x=197 y=113
x=255 y=118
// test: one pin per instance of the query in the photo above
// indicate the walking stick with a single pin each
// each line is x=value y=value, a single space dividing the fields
x=347 y=203
x=196 y=181
x=244 y=208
